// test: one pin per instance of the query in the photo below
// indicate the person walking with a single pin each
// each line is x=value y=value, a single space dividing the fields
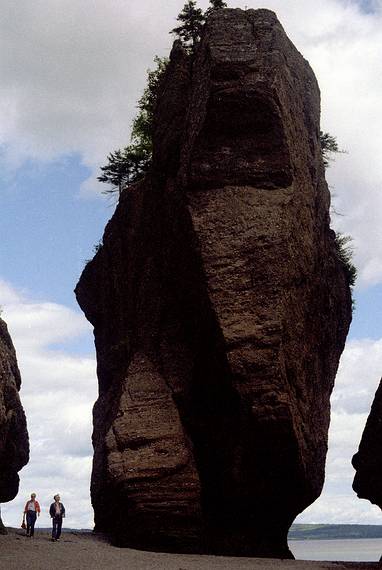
x=57 y=512
x=31 y=512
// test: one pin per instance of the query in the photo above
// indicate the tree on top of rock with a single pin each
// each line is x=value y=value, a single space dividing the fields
x=128 y=165
x=143 y=123
x=217 y=4
x=192 y=20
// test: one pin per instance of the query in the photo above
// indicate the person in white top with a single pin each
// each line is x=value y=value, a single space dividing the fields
x=31 y=512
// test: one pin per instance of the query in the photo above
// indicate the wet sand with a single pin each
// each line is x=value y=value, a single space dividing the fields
x=84 y=550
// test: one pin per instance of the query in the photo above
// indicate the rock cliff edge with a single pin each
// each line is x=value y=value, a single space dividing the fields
x=368 y=460
x=220 y=307
x=14 y=443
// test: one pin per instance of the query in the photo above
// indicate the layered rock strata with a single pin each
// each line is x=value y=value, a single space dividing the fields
x=14 y=443
x=220 y=307
x=368 y=460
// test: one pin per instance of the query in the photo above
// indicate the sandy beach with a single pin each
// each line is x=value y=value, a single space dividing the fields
x=83 y=550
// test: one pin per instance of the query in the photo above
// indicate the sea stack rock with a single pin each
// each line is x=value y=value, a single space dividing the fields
x=14 y=443
x=220 y=307
x=368 y=461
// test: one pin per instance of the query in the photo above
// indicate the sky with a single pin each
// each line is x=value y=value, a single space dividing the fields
x=71 y=74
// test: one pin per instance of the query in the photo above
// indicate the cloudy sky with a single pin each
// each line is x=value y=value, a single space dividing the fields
x=71 y=73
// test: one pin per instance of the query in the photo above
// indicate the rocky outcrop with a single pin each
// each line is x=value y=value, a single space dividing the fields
x=14 y=444
x=220 y=307
x=368 y=461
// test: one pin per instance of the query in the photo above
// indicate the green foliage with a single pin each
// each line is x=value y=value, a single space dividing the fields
x=217 y=4
x=191 y=21
x=128 y=165
x=345 y=254
x=328 y=146
x=124 y=167
x=344 y=249
x=143 y=123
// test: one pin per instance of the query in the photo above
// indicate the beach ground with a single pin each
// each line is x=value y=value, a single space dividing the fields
x=84 y=550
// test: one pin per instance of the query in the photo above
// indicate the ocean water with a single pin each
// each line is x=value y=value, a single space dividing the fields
x=358 y=549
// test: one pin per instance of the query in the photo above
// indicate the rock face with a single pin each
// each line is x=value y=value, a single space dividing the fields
x=220 y=307
x=368 y=461
x=14 y=444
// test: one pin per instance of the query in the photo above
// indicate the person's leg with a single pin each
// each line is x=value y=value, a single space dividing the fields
x=54 y=528
x=33 y=517
x=59 y=525
x=28 y=523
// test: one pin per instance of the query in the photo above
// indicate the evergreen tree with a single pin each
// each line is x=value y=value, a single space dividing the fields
x=345 y=254
x=328 y=145
x=342 y=242
x=192 y=20
x=143 y=123
x=130 y=164
x=125 y=167
x=217 y=4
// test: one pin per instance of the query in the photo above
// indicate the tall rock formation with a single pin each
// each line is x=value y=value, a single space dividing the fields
x=14 y=443
x=220 y=307
x=368 y=461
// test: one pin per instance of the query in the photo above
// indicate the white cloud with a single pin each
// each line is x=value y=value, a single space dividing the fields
x=69 y=476
x=358 y=377
x=39 y=323
x=73 y=71
x=58 y=391
x=351 y=84
x=8 y=295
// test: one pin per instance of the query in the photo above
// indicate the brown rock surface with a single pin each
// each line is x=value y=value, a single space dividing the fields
x=220 y=307
x=14 y=444
x=368 y=461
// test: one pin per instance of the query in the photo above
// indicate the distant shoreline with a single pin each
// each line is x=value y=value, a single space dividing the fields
x=334 y=531
x=297 y=531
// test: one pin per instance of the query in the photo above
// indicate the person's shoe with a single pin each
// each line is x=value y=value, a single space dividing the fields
x=53 y=539
x=57 y=539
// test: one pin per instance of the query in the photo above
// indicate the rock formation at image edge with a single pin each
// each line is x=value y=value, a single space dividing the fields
x=14 y=443
x=368 y=460
x=220 y=306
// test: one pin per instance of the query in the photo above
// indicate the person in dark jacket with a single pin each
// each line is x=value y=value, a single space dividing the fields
x=57 y=512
